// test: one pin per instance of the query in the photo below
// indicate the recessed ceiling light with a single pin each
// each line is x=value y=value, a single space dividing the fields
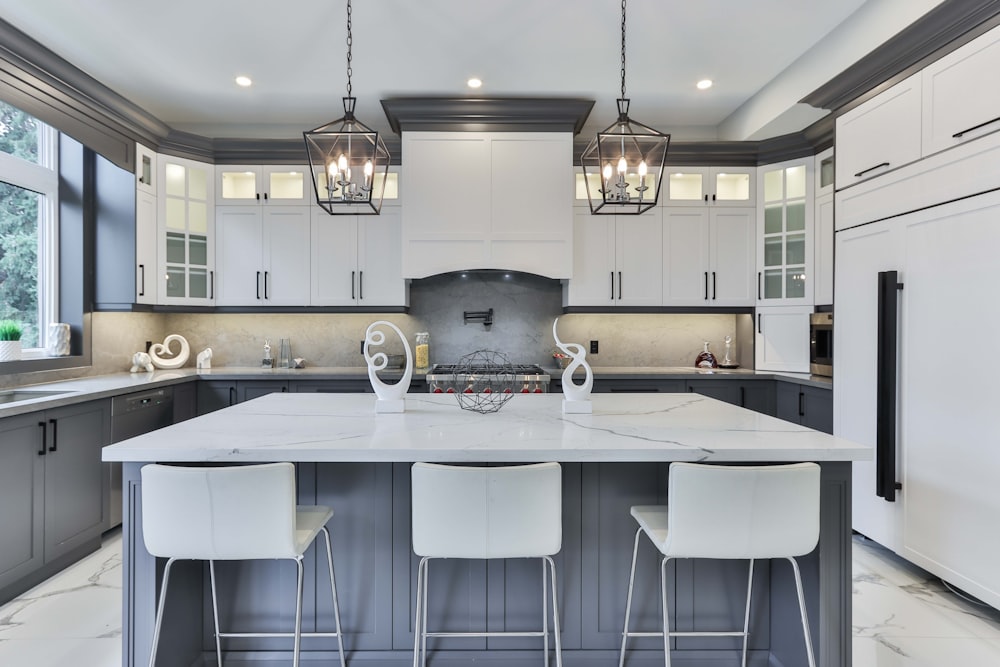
x=243 y=81
x=474 y=82
x=704 y=84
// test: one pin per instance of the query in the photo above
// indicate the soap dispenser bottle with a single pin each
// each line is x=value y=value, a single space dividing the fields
x=706 y=359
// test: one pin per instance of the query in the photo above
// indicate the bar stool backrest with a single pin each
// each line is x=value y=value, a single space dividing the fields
x=221 y=513
x=487 y=512
x=742 y=511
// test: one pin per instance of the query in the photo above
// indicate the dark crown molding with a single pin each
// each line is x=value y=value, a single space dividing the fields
x=525 y=114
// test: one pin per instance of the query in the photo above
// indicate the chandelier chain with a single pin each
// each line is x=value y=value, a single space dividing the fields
x=623 y=49
x=350 y=43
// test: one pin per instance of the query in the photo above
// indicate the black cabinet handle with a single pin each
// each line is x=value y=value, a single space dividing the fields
x=258 y=285
x=619 y=285
x=713 y=196
x=706 y=285
x=352 y=284
x=865 y=171
x=258 y=196
x=265 y=196
x=759 y=318
x=743 y=397
x=974 y=127
x=142 y=280
x=706 y=197
x=55 y=437
x=713 y=285
x=612 y=285
x=265 y=285
x=361 y=285
x=885 y=385
x=802 y=412
x=41 y=452
x=758 y=285
x=211 y=284
x=232 y=395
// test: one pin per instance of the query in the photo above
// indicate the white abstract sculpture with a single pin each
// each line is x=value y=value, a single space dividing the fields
x=577 y=396
x=179 y=358
x=204 y=359
x=390 y=396
x=141 y=362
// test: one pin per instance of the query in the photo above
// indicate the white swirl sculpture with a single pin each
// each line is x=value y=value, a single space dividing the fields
x=390 y=396
x=178 y=359
x=577 y=396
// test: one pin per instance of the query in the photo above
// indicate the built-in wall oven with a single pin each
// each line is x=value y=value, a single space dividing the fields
x=821 y=344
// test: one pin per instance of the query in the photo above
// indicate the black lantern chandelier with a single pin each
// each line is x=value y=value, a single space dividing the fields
x=348 y=160
x=623 y=165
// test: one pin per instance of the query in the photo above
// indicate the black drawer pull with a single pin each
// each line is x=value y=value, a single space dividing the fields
x=865 y=171
x=55 y=437
x=974 y=127
x=41 y=452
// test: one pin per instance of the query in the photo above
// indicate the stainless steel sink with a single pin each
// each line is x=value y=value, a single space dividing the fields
x=17 y=395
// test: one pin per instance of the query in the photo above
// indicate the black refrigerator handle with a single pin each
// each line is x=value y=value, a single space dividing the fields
x=885 y=398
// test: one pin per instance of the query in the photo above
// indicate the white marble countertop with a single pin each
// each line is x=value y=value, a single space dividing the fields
x=345 y=427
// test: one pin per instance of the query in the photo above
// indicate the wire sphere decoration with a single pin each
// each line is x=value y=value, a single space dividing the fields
x=488 y=379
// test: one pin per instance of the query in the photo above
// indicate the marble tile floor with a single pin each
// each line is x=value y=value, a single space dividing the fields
x=903 y=617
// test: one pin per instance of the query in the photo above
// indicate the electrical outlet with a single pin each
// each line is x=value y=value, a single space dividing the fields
x=593 y=347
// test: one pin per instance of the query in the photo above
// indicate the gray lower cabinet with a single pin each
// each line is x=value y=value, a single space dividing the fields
x=217 y=394
x=51 y=490
x=330 y=386
x=756 y=395
x=637 y=386
x=805 y=405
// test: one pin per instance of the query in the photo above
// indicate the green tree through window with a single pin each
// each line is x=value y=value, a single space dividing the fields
x=19 y=221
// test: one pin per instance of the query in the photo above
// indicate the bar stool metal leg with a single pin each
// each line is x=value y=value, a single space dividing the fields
x=545 y=612
x=159 y=612
x=555 y=614
x=628 y=600
x=215 y=613
x=298 y=613
x=802 y=610
x=666 y=616
x=746 y=617
x=333 y=590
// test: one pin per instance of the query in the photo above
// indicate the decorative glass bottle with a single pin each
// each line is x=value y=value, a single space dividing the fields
x=422 y=349
x=706 y=359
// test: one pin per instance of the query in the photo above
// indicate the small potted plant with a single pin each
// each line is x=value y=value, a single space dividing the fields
x=10 y=340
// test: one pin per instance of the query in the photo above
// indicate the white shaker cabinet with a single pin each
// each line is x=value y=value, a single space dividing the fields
x=185 y=232
x=276 y=185
x=785 y=205
x=961 y=100
x=708 y=256
x=262 y=256
x=781 y=341
x=879 y=135
x=617 y=260
x=494 y=200
x=356 y=259
x=145 y=225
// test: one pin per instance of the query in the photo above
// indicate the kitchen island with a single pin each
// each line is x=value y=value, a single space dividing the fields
x=358 y=462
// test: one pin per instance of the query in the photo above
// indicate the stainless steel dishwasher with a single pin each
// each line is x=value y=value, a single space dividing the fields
x=132 y=415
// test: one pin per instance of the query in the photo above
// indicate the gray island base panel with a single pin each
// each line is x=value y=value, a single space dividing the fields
x=358 y=462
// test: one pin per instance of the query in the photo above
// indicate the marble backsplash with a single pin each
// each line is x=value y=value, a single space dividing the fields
x=524 y=307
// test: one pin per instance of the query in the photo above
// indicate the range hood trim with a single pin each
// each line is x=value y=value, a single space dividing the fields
x=481 y=114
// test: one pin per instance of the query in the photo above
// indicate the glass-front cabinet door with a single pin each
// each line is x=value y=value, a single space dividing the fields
x=714 y=186
x=186 y=232
x=270 y=184
x=784 y=239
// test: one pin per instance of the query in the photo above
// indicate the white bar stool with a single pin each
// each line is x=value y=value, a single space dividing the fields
x=232 y=513
x=730 y=512
x=486 y=512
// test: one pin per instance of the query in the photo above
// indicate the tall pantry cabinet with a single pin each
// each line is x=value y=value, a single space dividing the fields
x=915 y=279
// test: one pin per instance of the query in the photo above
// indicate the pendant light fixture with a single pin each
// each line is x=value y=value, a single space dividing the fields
x=623 y=165
x=347 y=159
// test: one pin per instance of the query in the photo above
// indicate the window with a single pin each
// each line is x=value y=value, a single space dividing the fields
x=28 y=227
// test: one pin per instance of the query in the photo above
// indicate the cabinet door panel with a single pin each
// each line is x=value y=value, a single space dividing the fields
x=145 y=247
x=593 y=260
x=881 y=134
x=334 y=259
x=286 y=233
x=74 y=489
x=21 y=488
x=247 y=390
x=638 y=246
x=955 y=99
x=686 y=256
x=239 y=280
x=380 y=277
x=732 y=257
x=782 y=339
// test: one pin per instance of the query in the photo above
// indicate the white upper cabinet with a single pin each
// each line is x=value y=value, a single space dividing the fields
x=237 y=185
x=781 y=340
x=617 y=260
x=185 y=232
x=879 y=135
x=714 y=186
x=498 y=200
x=785 y=234
x=262 y=256
x=146 y=268
x=356 y=259
x=145 y=169
x=708 y=256
x=961 y=100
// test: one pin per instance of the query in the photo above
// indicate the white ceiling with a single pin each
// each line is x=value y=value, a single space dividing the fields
x=177 y=59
